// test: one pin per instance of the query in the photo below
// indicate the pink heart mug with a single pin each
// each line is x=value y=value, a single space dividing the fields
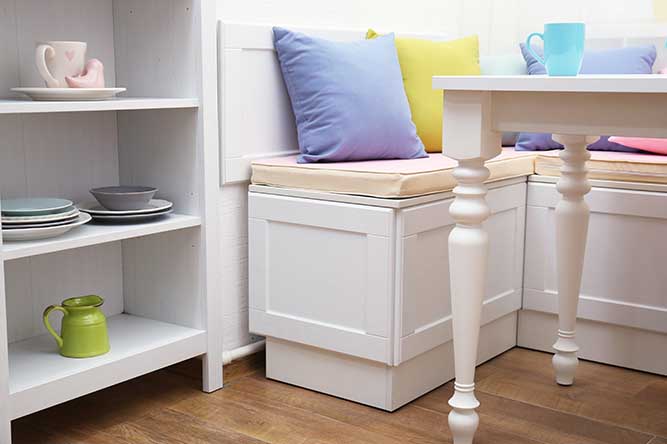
x=56 y=60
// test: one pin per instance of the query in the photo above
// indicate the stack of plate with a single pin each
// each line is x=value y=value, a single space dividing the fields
x=39 y=218
x=155 y=208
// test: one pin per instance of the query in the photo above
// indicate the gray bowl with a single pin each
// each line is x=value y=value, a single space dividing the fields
x=124 y=198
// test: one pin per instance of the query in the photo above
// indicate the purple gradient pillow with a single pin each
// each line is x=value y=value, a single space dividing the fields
x=628 y=60
x=348 y=98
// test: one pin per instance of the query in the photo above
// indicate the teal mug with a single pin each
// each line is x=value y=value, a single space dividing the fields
x=563 y=48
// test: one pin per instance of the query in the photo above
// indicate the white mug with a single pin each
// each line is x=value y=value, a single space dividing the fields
x=57 y=60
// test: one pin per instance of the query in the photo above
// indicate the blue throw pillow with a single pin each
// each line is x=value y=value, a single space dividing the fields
x=348 y=98
x=628 y=60
x=544 y=142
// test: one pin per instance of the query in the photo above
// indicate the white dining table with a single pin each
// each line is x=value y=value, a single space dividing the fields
x=477 y=109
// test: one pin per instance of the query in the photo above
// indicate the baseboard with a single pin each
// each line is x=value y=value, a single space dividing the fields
x=608 y=311
x=598 y=341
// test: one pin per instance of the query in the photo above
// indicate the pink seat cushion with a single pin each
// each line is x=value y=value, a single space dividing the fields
x=658 y=146
x=382 y=178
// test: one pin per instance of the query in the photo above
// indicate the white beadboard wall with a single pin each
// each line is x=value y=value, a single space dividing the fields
x=500 y=24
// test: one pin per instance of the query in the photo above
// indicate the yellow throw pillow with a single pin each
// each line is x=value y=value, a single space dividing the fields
x=421 y=60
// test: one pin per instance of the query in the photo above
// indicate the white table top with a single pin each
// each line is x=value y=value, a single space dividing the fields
x=639 y=83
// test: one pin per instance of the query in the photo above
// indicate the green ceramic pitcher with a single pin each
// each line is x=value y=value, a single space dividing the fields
x=83 y=332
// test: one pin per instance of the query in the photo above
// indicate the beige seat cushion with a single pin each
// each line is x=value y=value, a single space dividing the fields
x=382 y=178
x=604 y=165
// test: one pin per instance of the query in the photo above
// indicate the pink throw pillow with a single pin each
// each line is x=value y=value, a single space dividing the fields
x=658 y=146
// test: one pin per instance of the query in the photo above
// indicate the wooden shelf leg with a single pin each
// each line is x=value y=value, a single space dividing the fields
x=468 y=251
x=572 y=214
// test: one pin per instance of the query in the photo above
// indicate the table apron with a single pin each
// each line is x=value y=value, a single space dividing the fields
x=590 y=114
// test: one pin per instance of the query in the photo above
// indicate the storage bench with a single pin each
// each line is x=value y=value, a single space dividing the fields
x=348 y=289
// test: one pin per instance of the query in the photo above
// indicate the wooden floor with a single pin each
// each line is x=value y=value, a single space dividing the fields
x=520 y=405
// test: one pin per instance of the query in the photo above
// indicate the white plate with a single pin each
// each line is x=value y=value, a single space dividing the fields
x=43 y=233
x=40 y=219
x=60 y=94
x=15 y=226
x=131 y=218
x=93 y=207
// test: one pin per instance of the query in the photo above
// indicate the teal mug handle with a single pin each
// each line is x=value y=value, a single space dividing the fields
x=530 y=49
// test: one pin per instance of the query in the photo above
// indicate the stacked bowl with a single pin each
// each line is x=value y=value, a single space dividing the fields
x=39 y=218
x=125 y=204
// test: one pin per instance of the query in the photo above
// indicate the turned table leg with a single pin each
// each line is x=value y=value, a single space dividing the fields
x=572 y=215
x=468 y=137
x=468 y=248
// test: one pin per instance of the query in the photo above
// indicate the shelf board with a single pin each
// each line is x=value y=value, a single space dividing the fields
x=39 y=377
x=21 y=106
x=92 y=234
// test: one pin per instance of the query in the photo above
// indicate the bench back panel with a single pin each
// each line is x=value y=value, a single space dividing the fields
x=255 y=113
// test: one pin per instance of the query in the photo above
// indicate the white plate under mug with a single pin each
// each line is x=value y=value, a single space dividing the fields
x=93 y=207
x=28 y=234
x=69 y=94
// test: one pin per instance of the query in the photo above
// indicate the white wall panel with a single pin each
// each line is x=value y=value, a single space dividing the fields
x=423 y=16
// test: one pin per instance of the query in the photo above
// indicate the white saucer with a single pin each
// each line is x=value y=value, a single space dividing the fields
x=61 y=94
x=45 y=232
x=94 y=208
x=131 y=218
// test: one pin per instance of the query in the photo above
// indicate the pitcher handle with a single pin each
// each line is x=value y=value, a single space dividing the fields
x=530 y=49
x=41 y=53
x=45 y=317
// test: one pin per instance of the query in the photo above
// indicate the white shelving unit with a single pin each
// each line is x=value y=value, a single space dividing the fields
x=158 y=278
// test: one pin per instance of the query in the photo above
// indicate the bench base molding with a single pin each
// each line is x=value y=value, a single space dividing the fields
x=374 y=383
x=598 y=341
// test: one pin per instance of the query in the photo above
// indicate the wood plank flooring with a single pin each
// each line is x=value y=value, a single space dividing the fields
x=520 y=405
